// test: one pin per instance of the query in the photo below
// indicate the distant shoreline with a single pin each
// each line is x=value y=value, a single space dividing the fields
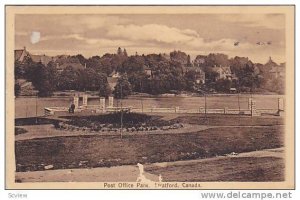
x=166 y=95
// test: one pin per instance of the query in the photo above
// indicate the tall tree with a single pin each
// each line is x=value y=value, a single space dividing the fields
x=189 y=64
x=104 y=88
x=42 y=80
x=68 y=79
x=19 y=70
x=125 y=53
x=81 y=59
x=95 y=81
x=123 y=87
x=119 y=52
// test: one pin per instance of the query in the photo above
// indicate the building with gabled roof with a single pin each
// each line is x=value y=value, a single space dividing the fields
x=148 y=70
x=21 y=54
x=65 y=65
x=275 y=70
x=114 y=74
x=278 y=71
x=199 y=73
x=224 y=72
x=42 y=58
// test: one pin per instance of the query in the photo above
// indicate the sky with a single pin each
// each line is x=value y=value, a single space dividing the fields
x=195 y=34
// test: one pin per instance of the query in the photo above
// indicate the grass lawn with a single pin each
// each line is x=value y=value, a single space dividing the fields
x=230 y=120
x=19 y=131
x=99 y=151
x=230 y=169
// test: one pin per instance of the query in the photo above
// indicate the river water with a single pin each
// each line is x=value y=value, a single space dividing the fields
x=29 y=106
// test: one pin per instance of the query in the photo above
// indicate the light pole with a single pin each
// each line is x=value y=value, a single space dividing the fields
x=36 y=107
x=278 y=105
x=26 y=114
x=142 y=103
x=239 y=102
x=239 y=96
x=251 y=100
x=205 y=108
x=205 y=104
x=121 y=131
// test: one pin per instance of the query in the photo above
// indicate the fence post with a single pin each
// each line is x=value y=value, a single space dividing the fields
x=84 y=100
x=249 y=103
x=225 y=110
x=280 y=106
x=102 y=104
x=201 y=110
x=253 y=109
x=110 y=101
x=76 y=101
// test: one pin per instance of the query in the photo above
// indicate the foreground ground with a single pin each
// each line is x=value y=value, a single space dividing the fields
x=264 y=165
x=194 y=153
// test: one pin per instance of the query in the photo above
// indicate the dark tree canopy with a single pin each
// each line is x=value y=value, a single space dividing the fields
x=123 y=87
x=152 y=73
x=44 y=79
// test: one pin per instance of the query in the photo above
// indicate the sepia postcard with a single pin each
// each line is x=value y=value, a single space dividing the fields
x=150 y=97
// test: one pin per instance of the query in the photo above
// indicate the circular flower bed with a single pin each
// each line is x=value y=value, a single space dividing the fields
x=112 y=123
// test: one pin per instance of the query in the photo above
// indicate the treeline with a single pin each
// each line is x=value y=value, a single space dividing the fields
x=153 y=73
x=246 y=76
x=47 y=79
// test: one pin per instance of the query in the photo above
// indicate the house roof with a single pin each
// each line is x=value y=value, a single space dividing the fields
x=114 y=72
x=271 y=63
x=74 y=65
x=41 y=58
x=277 y=69
x=146 y=67
x=112 y=82
x=200 y=59
x=195 y=69
x=225 y=69
x=20 y=54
